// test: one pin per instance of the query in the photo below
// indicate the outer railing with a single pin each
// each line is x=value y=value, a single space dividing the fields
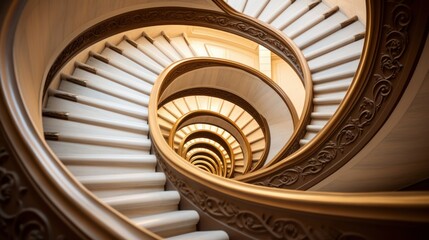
x=394 y=37
x=250 y=211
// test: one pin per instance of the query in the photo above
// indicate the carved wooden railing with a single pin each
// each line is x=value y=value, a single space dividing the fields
x=392 y=46
x=248 y=211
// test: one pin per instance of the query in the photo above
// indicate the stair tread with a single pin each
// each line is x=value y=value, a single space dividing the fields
x=338 y=56
x=202 y=235
x=255 y=7
x=164 y=46
x=273 y=9
x=129 y=66
x=76 y=128
x=173 y=219
x=140 y=57
x=143 y=200
x=62 y=105
x=305 y=20
x=294 y=10
x=320 y=30
x=153 y=51
x=347 y=32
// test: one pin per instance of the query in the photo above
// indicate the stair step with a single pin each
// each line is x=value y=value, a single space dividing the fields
x=129 y=49
x=314 y=128
x=321 y=115
x=292 y=13
x=123 y=63
x=88 y=170
x=254 y=7
x=338 y=56
x=144 y=204
x=327 y=100
x=346 y=70
x=106 y=105
x=148 y=179
x=107 y=86
x=113 y=141
x=332 y=86
x=70 y=87
x=162 y=42
x=308 y=20
x=96 y=121
x=62 y=105
x=181 y=44
x=145 y=45
x=344 y=36
x=302 y=142
x=273 y=10
x=321 y=30
x=202 y=235
x=119 y=76
x=109 y=159
x=238 y=5
x=114 y=74
x=170 y=223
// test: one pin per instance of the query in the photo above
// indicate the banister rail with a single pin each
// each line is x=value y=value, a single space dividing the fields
x=393 y=42
x=270 y=213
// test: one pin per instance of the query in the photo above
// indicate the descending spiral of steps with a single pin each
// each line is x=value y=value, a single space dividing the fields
x=330 y=41
x=96 y=121
x=172 y=113
x=233 y=152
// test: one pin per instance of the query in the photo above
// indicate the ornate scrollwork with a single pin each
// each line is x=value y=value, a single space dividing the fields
x=16 y=220
x=262 y=225
x=396 y=42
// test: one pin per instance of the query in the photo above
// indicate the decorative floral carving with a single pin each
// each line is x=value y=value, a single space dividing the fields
x=16 y=220
x=262 y=225
x=396 y=42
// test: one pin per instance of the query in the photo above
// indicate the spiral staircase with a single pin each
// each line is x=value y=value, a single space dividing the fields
x=151 y=132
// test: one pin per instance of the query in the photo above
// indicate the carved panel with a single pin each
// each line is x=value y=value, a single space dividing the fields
x=21 y=215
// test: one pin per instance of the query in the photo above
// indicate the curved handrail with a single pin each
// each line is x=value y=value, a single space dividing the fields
x=234 y=202
x=365 y=106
